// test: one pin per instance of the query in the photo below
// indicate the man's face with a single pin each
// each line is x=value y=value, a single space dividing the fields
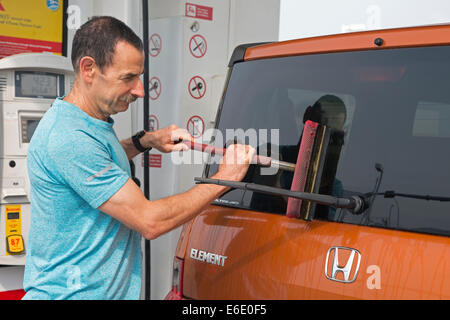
x=336 y=120
x=334 y=116
x=120 y=83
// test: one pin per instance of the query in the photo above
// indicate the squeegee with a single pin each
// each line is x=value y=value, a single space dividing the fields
x=305 y=184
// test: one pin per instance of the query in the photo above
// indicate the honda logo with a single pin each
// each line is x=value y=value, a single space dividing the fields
x=333 y=269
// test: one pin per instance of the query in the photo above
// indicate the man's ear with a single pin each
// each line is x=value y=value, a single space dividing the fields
x=87 y=68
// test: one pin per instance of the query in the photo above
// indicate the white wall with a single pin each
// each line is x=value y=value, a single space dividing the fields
x=302 y=19
x=253 y=21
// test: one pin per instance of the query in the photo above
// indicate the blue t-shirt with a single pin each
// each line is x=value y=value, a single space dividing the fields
x=75 y=251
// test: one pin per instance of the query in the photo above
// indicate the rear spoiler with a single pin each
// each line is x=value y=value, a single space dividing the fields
x=239 y=52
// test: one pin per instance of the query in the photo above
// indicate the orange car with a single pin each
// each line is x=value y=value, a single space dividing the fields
x=382 y=99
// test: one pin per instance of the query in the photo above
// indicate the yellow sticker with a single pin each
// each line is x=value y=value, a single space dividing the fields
x=13 y=229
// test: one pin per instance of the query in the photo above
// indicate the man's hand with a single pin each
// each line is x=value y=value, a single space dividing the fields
x=235 y=162
x=165 y=140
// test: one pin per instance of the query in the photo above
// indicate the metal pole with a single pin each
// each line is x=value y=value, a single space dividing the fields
x=147 y=249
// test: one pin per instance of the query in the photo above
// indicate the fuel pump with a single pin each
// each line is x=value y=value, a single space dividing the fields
x=28 y=85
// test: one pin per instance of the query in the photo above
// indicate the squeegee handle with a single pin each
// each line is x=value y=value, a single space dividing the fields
x=261 y=160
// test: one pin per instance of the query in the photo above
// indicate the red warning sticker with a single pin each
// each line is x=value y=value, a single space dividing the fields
x=155 y=88
x=195 y=126
x=154 y=160
x=199 y=12
x=155 y=44
x=198 y=46
x=197 y=87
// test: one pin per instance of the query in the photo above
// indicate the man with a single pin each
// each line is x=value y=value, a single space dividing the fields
x=87 y=214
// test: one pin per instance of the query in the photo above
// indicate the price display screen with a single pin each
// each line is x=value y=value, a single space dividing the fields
x=38 y=84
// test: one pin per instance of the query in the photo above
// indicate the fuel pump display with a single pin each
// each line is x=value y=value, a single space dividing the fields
x=28 y=85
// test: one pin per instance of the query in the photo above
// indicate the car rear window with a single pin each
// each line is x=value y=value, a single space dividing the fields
x=397 y=117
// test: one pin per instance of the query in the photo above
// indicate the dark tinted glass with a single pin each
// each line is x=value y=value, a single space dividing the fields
x=31 y=127
x=397 y=115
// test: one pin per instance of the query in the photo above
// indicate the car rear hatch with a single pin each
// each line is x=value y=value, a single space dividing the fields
x=395 y=150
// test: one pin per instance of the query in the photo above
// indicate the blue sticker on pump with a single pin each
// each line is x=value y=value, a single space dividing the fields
x=53 y=4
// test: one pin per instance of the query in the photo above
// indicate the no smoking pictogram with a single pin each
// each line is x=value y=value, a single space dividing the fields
x=153 y=123
x=196 y=126
x=197 y=87
x=197 y=46
x=155 y=44
x=155 y=88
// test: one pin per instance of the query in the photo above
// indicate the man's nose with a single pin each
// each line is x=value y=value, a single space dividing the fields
x=138 y=89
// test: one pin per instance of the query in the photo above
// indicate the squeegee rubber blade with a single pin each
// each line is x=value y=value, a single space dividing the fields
x=301 y=167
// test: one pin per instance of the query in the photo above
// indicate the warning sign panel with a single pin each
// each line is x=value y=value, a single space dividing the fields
x=199 y=12
x=155 y=88
x=198 y=46
x=155 y=44
x=153 y=123
x=154 y=160
x=196 y=126
x=197 y=87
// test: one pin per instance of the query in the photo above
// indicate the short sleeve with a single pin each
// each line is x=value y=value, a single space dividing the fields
x=86 y=165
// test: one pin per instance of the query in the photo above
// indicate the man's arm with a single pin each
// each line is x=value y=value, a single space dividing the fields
x=162 y=140
x=154 y=218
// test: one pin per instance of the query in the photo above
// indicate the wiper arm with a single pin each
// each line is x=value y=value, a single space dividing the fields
x=392 y=194
x=356 y=204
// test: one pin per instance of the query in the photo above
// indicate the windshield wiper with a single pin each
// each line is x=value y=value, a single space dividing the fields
x=356 y=204
x=392 y=194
